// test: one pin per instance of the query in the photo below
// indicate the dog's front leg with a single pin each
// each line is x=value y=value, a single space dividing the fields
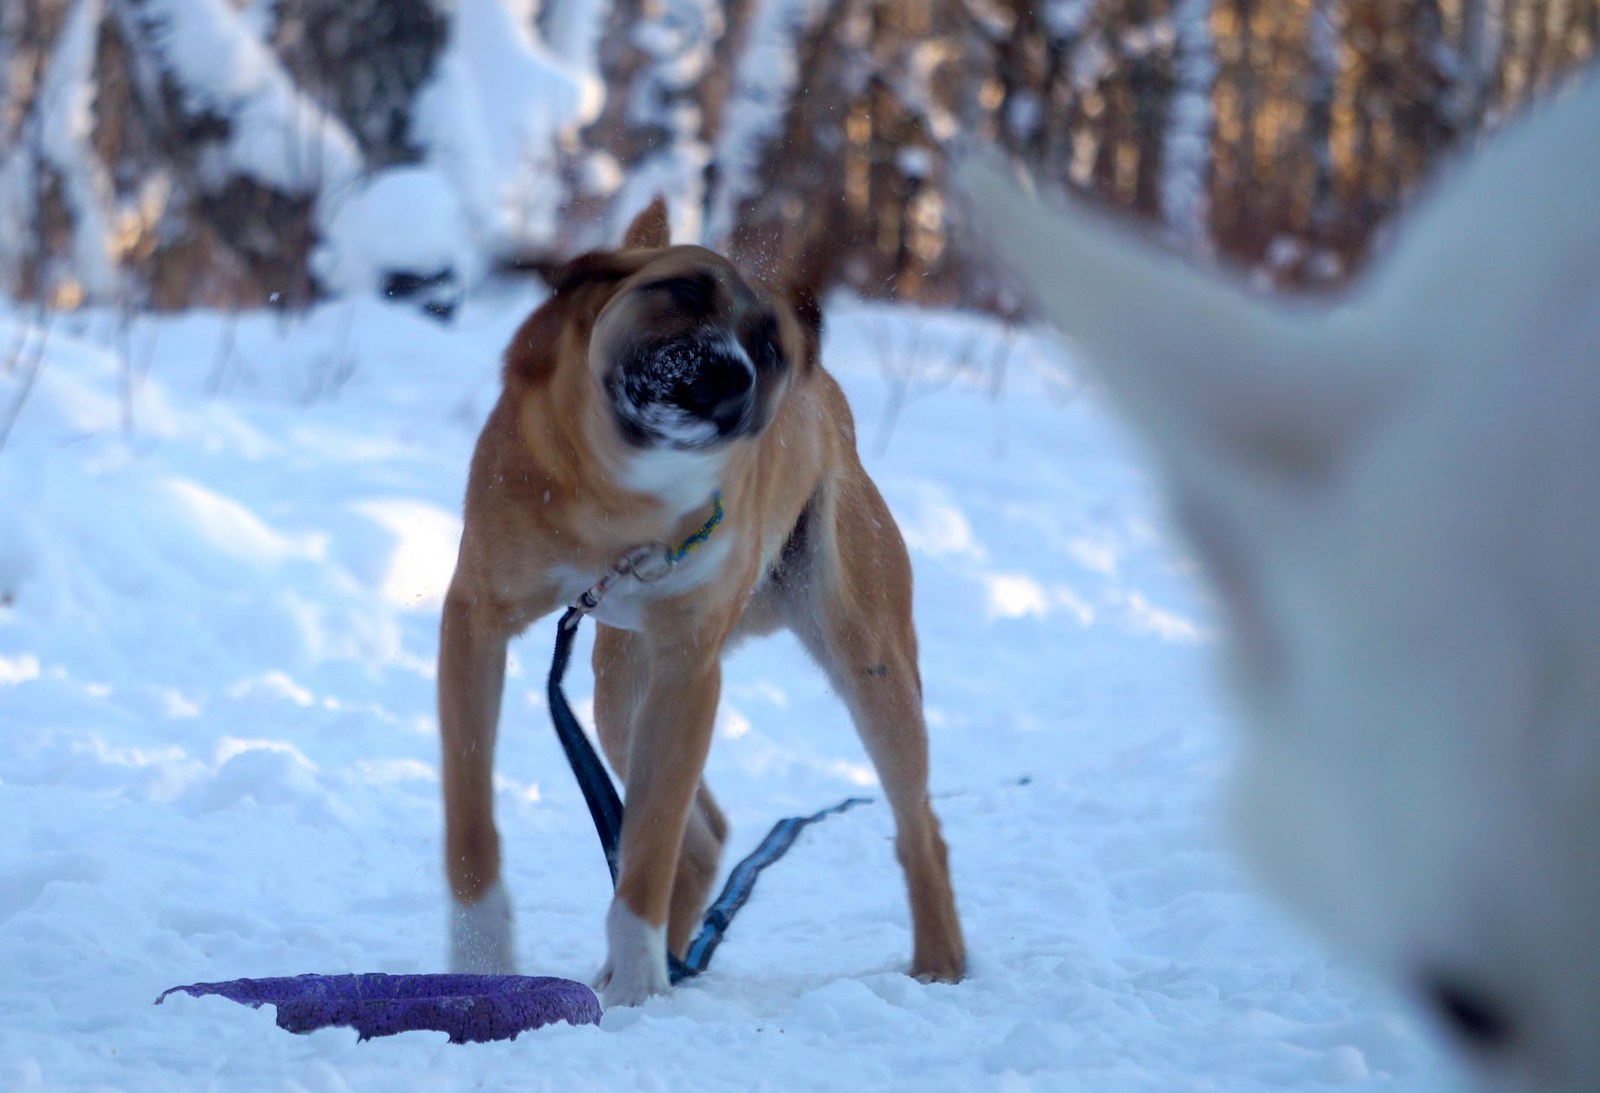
x=472 y=668
x=666 y=754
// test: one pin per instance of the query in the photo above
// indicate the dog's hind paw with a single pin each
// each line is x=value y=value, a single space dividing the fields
x=482 y=938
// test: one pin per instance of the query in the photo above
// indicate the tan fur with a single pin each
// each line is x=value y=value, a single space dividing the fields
x=811 y=546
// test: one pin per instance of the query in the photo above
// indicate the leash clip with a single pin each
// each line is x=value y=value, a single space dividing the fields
x=651 y=562
x=645 y=564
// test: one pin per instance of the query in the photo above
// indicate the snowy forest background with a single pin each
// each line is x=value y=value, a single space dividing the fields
x=165 y=154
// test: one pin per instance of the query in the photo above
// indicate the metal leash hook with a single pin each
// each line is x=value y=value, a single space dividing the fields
x=645 y=564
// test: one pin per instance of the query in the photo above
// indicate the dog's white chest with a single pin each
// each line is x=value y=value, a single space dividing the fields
x=626 y=598
x=681 y=479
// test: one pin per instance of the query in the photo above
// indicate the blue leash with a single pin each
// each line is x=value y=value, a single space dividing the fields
x=741 y=882
x=605 y=809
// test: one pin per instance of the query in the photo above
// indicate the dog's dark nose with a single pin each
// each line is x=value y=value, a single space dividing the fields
x=686 y=393
x=1475 y=1017
x=718 y=391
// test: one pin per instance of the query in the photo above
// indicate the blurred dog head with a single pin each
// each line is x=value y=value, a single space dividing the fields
x=689 y=355
x=1396 y=499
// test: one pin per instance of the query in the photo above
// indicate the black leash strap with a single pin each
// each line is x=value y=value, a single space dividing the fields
x=605 y=809
x=741 y=882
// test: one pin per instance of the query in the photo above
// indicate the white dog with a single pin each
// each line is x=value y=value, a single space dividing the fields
x=1396 y=499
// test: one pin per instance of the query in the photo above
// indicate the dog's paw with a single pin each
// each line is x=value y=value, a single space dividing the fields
x=630 y=988
x=944 y=973
x=636 y=961
x=945 y=963
x=482 y=938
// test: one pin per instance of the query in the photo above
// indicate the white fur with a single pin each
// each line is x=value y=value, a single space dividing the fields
x=623 y=606
x=1397 y=499
x=482 y=937
x=682 y=479
x=636 y=959
x=674 y=423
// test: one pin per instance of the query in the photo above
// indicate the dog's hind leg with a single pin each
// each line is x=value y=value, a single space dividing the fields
x=621 y=672
x=472 y=666
x=707 y=830
x=851 y=607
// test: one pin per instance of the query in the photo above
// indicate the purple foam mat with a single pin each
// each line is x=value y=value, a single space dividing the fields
x=471 y=1008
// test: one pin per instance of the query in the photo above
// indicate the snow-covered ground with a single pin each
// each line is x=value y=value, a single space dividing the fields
x=223 y=543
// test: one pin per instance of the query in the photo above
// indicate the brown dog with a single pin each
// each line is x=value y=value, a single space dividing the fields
x=653 y=383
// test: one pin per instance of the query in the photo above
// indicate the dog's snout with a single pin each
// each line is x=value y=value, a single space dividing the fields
x=721 y=390
x=698 y=378
x=1472 y=1015
x=690 y=391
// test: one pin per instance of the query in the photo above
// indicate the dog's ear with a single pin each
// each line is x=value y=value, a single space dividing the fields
x=1502 y=254
x=596 y=267
x=804 y=289
x=601 y=267
x=1208 y=368
x=805 y=300
x=565 y=274
x=578 y=290
x=546 y=267
x=1253 y=407
x=650 y=229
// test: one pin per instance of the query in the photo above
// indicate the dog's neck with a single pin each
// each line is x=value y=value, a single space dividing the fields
x=649 y=562
x=583 y=454
x=680 y=480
